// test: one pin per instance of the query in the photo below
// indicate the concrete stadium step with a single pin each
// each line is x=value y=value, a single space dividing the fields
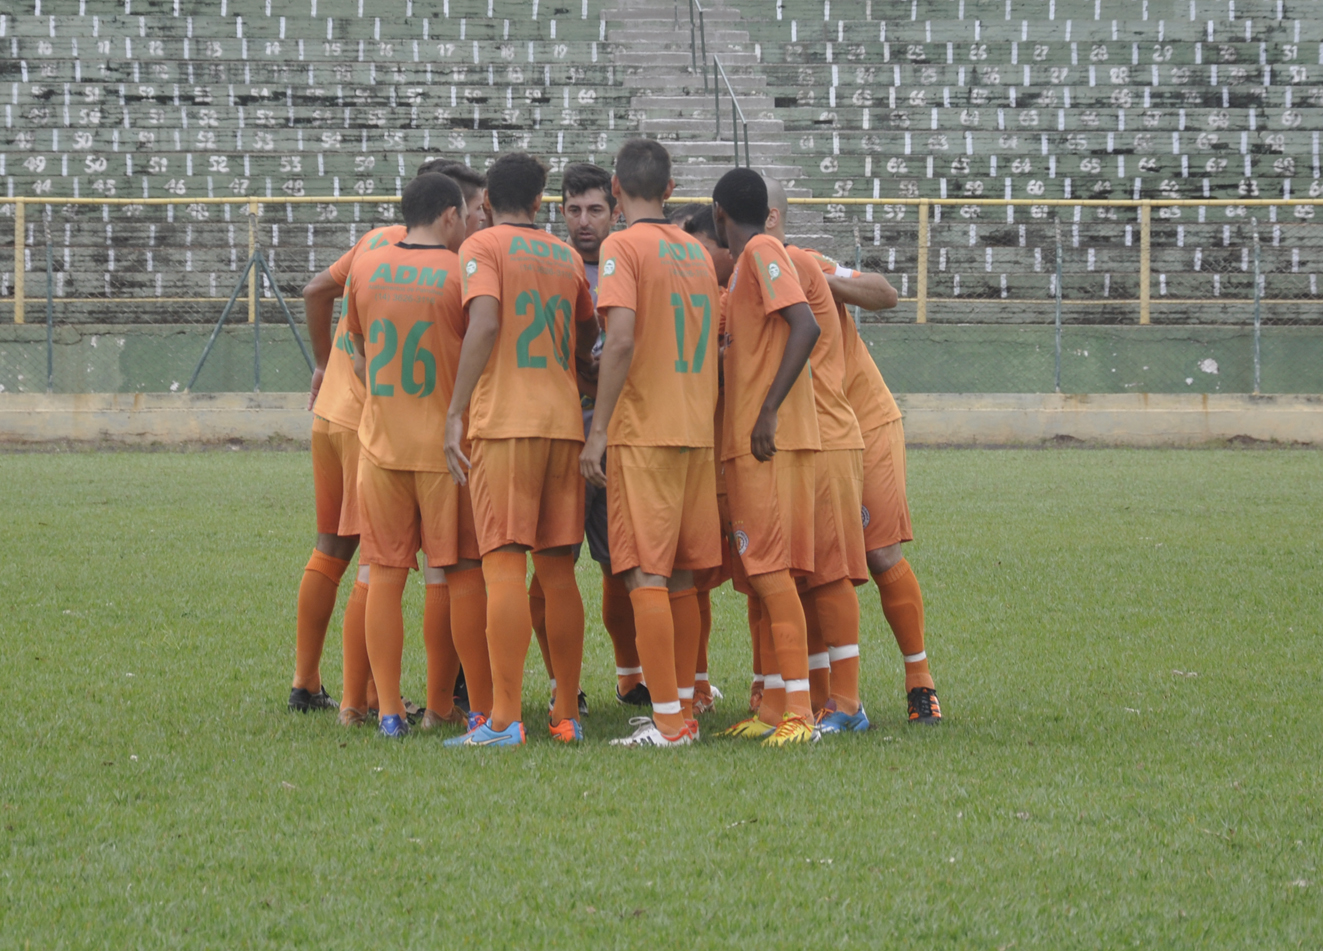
x=682 y=58
x=697 y=126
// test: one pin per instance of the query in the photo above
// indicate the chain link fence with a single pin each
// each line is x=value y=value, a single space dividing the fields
x=1076 y=297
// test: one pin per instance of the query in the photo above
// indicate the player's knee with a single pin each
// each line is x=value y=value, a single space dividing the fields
x=882 y=560
x=337 y=546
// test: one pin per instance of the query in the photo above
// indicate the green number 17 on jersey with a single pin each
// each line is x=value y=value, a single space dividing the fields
x=696 y=301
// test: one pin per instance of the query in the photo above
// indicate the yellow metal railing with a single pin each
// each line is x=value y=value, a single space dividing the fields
x=253 y=208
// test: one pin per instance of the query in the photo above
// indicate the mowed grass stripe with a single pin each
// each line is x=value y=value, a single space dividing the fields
x=1125 y=644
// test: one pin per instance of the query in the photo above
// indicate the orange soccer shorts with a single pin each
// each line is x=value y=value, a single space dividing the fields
x=661 y=509
x=771 y=511
x=886 y=514
x=335 y=477
x=404 y=511
x=527 y=492
x=838 y=529
x=709 y=579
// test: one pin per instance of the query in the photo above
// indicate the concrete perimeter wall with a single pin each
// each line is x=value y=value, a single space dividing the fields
x=1013 y=419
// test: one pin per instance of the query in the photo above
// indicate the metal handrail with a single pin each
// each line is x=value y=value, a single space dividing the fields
x=694 y=39
x=735 y=111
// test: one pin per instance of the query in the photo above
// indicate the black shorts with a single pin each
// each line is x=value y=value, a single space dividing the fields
x=594 y=524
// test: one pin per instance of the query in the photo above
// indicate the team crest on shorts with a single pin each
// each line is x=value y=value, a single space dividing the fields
x=741 y=542
x=609 y=267
x=863 y=510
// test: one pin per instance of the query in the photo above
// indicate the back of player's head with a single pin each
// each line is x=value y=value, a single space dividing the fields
x=583 y=177
x=469 y=179
x=515 y=182
x=684 y=213
x=643 y=168
x=434 y=164
x=427 y=197
x=702 y=223
x=742 y=195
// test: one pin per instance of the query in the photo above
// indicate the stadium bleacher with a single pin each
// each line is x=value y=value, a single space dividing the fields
x=1061 y=99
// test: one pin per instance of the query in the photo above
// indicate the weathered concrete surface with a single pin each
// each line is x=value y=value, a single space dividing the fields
x=1119 y=419
x=996 y=419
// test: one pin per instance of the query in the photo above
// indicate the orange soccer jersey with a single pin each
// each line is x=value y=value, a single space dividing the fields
x=868 y=394
x=340 y=398
x=837 y=423
x=667 y=279
x=762 y=284
x=528 y=388
x=404 y=300
x=661 y=481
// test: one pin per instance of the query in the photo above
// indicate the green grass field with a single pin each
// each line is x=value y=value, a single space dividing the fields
x=1126 y=645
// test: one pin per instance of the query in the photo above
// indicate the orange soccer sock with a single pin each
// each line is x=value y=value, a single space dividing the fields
x=509 y=628
x=442 y=659
x=789 y=636
x=385 y=634
x=704 y=632
x=755 y=619
x=838 y=611
x=321 y=581
x=902 y=603
x=468 y=628
x=818 y=660
x=656 y=646
x=687 y=622
x=773 y=705
x=357 y=668
x=564 y=627
x=537 y=608
x=618 y=618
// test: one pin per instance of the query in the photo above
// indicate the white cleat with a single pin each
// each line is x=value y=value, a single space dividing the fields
x=647 y=734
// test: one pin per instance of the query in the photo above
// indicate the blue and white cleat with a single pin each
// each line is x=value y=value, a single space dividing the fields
x=838 y=721
x=484 y=735
x=393 y=727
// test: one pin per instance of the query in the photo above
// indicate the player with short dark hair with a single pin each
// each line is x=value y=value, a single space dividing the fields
x=527 y=299
x=405 y=317
x=770 y=437
x=657 y=388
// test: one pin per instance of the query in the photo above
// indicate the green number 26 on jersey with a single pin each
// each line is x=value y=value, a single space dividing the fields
x=413 y=356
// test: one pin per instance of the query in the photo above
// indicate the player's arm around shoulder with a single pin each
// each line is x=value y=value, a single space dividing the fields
x=865 y=289
x=354 y=327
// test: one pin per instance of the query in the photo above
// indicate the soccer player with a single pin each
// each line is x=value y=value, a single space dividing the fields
x=337 y=404
x=769 y=439
x=526 y=297
x=405 y=317
x=886 y=513
x=656 y=392
x=590 y=212
x=830 y=605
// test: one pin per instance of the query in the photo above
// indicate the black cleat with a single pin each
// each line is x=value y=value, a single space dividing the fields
x=301 y=701
x=462 y=692
x=583 y=704
x=924 y=707
x=638 y=696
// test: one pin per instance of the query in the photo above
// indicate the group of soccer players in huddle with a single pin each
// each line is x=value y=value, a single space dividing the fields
x=690 y=393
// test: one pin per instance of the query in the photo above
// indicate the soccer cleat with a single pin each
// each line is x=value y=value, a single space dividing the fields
x=393 y=727
x=705 y=696
x=475 y=720
x=462 y=692
x=793 y=729
x=647 y=734
x=583 y=704
x=301 y=701
x=751 y=728
x=567 y=731
x=924 y=707
x=838 y=721
x=412 y=710
x=350 y=717
x=692 y=726
x=432 y=720
x=638 y=696
x=484 y=735
x=755 y=696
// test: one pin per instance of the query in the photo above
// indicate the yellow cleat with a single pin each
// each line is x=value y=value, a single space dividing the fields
x=750 y=729
x=793 y=729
